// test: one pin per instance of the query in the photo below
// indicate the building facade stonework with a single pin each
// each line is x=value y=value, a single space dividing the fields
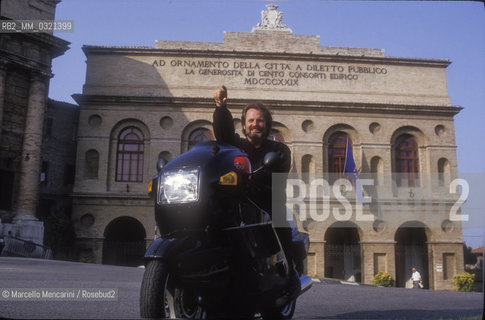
x=140 y=104
x=25 y=70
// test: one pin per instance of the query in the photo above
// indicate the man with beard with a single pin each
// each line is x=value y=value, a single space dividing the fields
x=256 y=121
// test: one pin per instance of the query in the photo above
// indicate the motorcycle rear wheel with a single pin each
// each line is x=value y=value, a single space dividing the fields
x=162 y=297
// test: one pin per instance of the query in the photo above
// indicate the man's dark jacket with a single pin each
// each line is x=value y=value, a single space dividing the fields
x=224 y=131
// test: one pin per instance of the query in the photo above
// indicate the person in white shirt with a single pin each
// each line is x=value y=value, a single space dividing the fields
x=417 y=280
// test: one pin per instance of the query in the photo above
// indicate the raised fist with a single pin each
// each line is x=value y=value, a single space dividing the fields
x=220 y=96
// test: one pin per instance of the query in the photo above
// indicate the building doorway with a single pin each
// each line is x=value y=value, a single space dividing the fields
x=124 y=242
x=343 y=252
x=411 y=251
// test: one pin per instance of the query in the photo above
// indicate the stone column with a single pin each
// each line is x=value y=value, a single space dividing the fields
x=3 y=76
x=29 y=228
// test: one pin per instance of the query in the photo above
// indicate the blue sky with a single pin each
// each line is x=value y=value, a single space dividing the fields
x=413 y=29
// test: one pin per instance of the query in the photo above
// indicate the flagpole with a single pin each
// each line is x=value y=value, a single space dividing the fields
x=346 y=152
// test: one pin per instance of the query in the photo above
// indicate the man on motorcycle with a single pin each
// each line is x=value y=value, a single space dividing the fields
x=257 y=122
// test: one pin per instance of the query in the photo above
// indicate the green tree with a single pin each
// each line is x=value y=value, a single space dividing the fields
x=468 y=256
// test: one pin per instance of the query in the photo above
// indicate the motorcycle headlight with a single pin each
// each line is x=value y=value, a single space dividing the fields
x=179 y=186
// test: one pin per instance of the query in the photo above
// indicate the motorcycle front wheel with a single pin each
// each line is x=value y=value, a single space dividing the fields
x=161 y=296
x=285 y=312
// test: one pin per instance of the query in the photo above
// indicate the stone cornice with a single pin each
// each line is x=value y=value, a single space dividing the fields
x=97 y=100
x=40 y=76
x=16 y=60
x=445 y=242
x=397 y=201
x=122 y=196
x=374 y=242
x=102 y=199
x=55 y=46
x=314 y=57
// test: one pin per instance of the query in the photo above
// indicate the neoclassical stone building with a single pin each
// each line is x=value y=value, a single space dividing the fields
x=142 y=103
x=25 y=71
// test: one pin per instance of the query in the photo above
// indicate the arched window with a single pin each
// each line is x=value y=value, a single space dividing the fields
x=377 y=170
x=200 y=135
x=336 y=153
x=443 y=172
x=406 y=161
x=129 y=160
x=307 y=167
x=92 y=164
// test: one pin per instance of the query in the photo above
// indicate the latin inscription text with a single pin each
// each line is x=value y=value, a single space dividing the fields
x=260 y=73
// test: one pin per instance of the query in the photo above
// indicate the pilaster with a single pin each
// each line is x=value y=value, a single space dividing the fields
x=377 y=256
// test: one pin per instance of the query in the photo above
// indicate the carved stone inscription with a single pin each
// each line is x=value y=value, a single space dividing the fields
x=268 y=73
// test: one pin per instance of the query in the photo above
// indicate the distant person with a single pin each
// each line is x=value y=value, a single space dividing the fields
x=417 y=280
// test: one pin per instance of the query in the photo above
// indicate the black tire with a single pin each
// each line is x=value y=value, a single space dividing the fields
x=152 y=292
x=281 y=313
x=162 y=297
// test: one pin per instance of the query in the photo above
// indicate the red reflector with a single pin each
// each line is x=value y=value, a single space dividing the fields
x=242 y=164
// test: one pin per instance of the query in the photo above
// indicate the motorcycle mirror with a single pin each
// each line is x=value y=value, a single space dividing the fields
x=270 y=159
x=161 y=163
